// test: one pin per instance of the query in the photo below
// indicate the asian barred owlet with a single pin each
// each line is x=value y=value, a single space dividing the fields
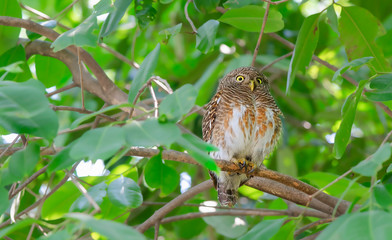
x=243 y=121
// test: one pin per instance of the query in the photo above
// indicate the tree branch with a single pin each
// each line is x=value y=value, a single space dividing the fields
x=261 y=34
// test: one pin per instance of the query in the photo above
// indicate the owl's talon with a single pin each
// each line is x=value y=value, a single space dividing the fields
x=247 y=164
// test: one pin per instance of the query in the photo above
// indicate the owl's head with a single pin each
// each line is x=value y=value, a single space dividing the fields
x=245 y=78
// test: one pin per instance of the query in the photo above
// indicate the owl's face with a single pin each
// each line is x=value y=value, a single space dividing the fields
x=246 y=78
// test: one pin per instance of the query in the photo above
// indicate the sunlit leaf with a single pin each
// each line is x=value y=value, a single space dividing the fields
x=358 y=29
x=9 y=35
x=125 y=192
x=250 y=18
x=15 y=55
x=144 y=73
x=304 y=48
x=349 y=110
x=110 y=229
x=205 y=36
x=371 y=166
x=175 y=105
x=16 y=226
x=58 y=71
x=159 y=175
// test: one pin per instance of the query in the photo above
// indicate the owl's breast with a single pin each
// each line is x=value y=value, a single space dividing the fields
x=248 y=131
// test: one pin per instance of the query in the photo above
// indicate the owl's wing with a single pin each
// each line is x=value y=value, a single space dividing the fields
x=208 y=126
x=210 y=117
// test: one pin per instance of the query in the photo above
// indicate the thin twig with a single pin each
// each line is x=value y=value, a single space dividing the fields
x=66 y=9
x=312 y=225
x=180 y=199
x=119 y=55
x=156 y=234
x=28 y=181
x=83 y=190
x=261 y=34
x=275 y=3
x=81 y=110
x=37 y=203
x=276 y=60
x=72 y=85
x=81 y=78
x=187 y=16
x=9 y=146
x=156 y=113
x=141 y=90
x=386 y=138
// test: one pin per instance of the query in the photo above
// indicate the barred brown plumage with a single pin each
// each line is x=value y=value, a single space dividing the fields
x=243 y=121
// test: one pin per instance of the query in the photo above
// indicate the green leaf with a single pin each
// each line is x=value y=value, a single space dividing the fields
x=332 y=19
x=58 y=71
x=59 y=235
x=286 y=231
x=349 y=110
x=250 y=18
x=15 y=55
x=382 y=196
x=16 y=226
x=99 y=143
x=205 y=37
x=145 y=13
x=175 y=105
x=4 y=202
x=382 y=88
x=159 y=175
x=304 y=48
x=238 y=4
x=198 y=149
x=59 y=203
x=144 y=73
x=170 y=32
x=97 y=193
x=358 y=29
x=9 y=35
x=111 y=22
x=91 y=115
x=62 y=159
x=125 y=192
x=373 y=224
x=266 y=229
x=110 y=229
x=150 y=133
x=23 y=162
x=371 y=166
x=26 y=113
x=286 y=163
x=49 y=24
x=321 y=179
x=347 y=66
x=83 y=35
x=228 y=226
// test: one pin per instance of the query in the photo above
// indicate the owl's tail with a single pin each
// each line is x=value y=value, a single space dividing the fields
x=227 y=194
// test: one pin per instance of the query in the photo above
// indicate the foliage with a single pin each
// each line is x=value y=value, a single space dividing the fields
x=155 y=72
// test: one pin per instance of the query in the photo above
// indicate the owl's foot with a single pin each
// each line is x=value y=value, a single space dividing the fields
x=247 y=164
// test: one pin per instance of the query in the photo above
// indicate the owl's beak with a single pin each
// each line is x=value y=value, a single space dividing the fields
x=252 y=85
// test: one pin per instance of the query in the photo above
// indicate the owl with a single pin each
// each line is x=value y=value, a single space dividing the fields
x=244 y=122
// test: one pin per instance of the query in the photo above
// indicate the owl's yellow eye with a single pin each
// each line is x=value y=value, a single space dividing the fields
x=259 y=80
x=240 y=78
